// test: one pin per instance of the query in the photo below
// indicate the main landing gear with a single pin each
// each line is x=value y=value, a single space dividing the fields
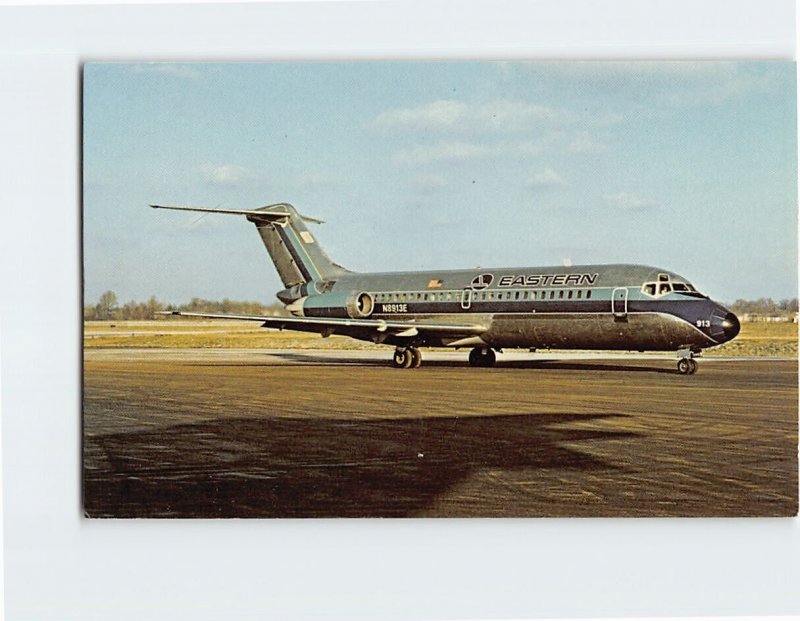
x=406 y=358
x=480 y=357
x=687 y=365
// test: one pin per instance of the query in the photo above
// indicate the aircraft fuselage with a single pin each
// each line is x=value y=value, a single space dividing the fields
x=624 y=307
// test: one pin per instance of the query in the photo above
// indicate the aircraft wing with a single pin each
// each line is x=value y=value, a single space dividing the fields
x=349 y=327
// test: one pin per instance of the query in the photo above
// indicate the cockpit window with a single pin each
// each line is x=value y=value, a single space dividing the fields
x=665 y=285
x=657 y=289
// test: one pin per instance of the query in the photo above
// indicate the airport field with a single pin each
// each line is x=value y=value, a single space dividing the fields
x=756 y=339
x=223 y=432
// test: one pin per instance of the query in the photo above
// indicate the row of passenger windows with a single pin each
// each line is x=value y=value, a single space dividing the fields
x=483 y=296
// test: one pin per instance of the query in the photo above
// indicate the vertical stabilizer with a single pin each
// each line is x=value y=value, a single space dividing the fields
x=297 y=255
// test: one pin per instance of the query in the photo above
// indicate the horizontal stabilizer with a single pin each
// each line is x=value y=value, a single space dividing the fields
x=271 y=212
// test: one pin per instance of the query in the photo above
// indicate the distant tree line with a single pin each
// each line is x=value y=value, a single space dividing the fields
x=109 y=308
x=765 y=306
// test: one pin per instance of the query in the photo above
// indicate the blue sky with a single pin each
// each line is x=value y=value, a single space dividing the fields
x=423 y=165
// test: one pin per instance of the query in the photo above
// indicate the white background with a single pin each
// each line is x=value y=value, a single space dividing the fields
x=61 y=566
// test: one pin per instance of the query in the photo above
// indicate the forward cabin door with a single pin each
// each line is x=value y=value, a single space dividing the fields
x=466 y=299
x=619 y=302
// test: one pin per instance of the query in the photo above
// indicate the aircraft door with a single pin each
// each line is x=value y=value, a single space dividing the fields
x=619 y=302
x=466 y=299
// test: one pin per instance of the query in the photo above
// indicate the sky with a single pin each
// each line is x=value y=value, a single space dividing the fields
x=689 y=166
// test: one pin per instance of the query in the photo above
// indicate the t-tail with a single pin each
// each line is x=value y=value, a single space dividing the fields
x=297 y=255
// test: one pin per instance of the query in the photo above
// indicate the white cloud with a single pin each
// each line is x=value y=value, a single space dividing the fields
x=679 y=82
x=437 y=114
x=458 y=116
x=628 y=201
x=227 y=174
x=444 y=152
x=178 y=70
x=582 y=142
x=547 y=178
x=316 y=180
x=428 y=184
x=531 y=148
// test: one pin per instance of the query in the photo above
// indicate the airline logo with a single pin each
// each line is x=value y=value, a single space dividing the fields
x=547 y=280
x=434 y=283
x=481 y=281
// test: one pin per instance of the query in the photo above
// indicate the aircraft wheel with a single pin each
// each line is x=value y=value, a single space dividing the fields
x=692 y=366
x=402 y=358
x=416 y=358
x=685 y=366
x=479 y=358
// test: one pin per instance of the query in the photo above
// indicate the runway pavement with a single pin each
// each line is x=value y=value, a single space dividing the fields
x=304 y=433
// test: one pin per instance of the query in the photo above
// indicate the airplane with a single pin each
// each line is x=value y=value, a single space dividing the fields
x=594 y=307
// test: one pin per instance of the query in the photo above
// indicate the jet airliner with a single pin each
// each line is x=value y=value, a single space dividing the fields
x=608 y=307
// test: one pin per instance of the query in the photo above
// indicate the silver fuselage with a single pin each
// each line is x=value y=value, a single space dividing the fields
x=627 y=307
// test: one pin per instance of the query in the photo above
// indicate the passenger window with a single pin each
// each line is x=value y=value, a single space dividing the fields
x=516 y=295
x=569 y=295
x=449 y=296
x=395 y=297
x=552 y=295
x=578 y=293
x=561 y=294
x=588 y=294
x=491 y=295
x=458 y=296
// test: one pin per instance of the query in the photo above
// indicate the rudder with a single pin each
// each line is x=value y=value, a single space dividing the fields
x=295 y=252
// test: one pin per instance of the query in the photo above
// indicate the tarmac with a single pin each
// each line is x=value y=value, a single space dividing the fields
x=312 y=433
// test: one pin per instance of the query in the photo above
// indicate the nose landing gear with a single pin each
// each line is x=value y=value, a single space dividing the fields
x=406 y=358
x=687 y=365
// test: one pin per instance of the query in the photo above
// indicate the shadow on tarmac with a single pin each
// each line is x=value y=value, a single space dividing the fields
x=313 y=359
x=248 y=467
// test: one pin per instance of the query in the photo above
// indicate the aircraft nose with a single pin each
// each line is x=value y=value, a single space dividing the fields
x=730 y=326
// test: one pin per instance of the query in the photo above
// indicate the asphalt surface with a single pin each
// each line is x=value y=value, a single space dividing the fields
x=300 y=433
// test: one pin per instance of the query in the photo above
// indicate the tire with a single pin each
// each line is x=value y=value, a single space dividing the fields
x=475 y=358
x=416 y=358
x=479 y=359
x=402 y=359
x=685 y=366
x=692 y=366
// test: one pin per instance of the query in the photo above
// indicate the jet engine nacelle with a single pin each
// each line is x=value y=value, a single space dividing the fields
x=355 y=305
x=360 y=305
